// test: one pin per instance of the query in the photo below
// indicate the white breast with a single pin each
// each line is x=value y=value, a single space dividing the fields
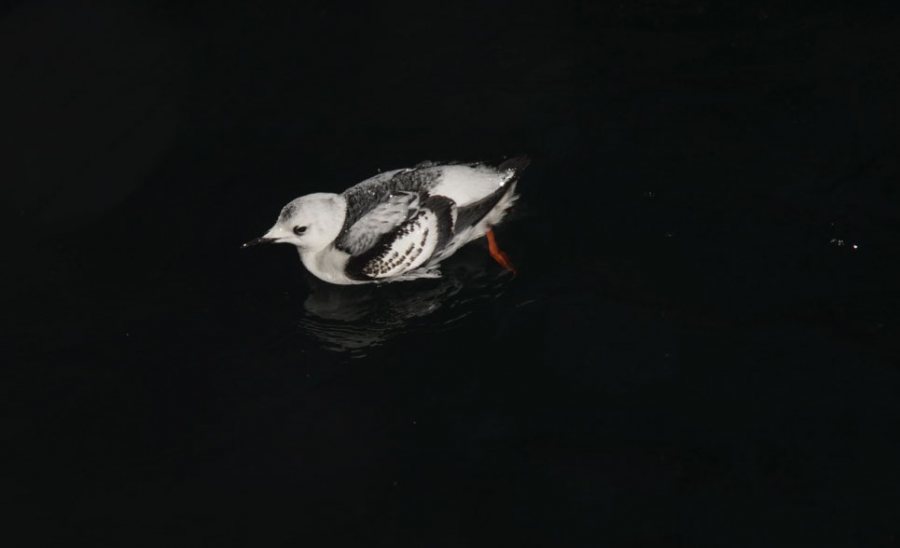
x=328 y=265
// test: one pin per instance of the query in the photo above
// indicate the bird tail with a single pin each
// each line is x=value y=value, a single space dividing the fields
x=504 y=197
x=516 y=163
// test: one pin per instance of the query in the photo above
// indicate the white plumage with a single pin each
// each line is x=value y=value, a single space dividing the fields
x=397 y=225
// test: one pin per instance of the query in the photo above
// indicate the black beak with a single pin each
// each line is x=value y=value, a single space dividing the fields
x=257 y=241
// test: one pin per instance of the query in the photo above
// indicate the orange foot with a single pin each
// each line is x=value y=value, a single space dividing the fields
x=498 y=255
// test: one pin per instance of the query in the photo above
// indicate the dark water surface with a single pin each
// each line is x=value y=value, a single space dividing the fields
x=702 y=347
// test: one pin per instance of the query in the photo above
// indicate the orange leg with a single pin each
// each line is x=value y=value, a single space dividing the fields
x=498 y=255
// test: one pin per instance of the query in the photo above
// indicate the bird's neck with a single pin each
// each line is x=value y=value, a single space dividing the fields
x=326 y=264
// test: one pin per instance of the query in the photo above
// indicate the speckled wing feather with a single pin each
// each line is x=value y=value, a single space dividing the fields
x=408 y=247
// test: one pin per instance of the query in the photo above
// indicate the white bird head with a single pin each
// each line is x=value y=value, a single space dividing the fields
x=310 y=222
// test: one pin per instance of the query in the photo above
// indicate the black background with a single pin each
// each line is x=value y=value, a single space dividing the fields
x=701 y=348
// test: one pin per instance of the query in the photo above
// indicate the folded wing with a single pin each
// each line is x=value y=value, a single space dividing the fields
x=409 y=246
x=379 y=221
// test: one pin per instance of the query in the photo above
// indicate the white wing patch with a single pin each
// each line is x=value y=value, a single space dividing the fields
x=383 y=218
x=467 y=184
x=413 y=246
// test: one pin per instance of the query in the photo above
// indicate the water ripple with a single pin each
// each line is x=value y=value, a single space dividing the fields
x=354 y=319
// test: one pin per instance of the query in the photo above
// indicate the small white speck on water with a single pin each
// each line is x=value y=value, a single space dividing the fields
x=669 y=234
x=854 y=246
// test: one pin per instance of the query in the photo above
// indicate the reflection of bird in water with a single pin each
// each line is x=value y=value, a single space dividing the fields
x=354 y=318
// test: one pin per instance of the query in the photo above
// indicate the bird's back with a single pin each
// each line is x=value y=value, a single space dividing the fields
x=462 y=183
x=466 y=184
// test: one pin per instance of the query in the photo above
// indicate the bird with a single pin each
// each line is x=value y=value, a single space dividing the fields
x=400 y=224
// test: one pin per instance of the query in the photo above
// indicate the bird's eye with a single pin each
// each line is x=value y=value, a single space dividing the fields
x=298 y=230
